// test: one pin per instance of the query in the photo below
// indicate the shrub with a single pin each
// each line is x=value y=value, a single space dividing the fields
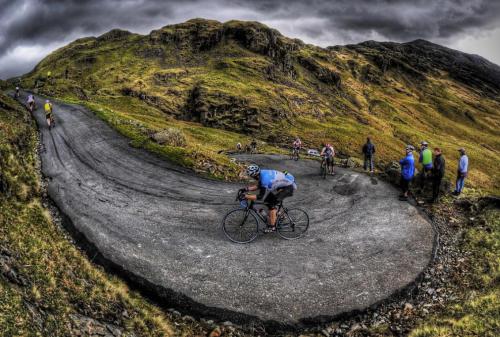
x=170 y=136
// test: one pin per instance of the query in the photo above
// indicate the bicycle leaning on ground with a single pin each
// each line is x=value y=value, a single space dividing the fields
x=243 y=224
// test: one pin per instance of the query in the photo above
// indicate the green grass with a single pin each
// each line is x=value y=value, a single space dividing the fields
x=478 y=313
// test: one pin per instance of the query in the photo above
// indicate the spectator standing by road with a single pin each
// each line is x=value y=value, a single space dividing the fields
x=463 y=167
x=407 y=172
x=425 y=159
x=438 y=169
x=368 y=153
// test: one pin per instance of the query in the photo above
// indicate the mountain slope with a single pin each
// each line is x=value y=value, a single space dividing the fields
x=202 y=77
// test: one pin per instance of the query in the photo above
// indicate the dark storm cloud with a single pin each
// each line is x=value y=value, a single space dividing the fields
x=46 y=24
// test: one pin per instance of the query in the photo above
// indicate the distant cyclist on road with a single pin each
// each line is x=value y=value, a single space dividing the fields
x=274 y=186
x=31 y=102
x=296 y=146
x=49 y=114
x=253 y=146
x=328 y=153
x=17 y=92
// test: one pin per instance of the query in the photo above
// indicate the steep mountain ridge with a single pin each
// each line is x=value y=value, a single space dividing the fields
x=247 y=78
x=427 y=57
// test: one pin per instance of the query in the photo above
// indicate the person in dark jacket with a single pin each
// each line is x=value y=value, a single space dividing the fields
x=368 y=152
x=438 y=169
x=407 y=172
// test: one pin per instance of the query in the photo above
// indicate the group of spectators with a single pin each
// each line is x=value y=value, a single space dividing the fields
x=432 y=168
x=249 y=148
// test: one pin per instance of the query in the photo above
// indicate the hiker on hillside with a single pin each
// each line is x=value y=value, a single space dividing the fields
x=425 y=159
x=462 y=169
x=438 y=169
x=368 y=153
x=407 y=172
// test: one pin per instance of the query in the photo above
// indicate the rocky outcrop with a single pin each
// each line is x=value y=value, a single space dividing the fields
x=322 y=73
x=221 y=111
x=114 y=35
x=203 y=35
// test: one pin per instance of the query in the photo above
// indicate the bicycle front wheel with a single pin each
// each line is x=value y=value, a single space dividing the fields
x=292 y=224
x=323 y=170
x=240 y=226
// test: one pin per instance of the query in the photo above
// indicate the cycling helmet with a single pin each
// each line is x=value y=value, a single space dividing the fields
x=409 y=148
x=253 y=170
x=47 y=101
x=328 y=145
x=424 y=143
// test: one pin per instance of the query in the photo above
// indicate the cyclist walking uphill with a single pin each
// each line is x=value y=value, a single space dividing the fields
x=368 y=154
x=328 y=153
x=49 y=114
x=273 y=186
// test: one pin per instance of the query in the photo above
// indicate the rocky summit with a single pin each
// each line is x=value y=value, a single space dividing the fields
x=250 y=80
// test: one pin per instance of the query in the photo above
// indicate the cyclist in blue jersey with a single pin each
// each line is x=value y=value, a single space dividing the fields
x=273 y=186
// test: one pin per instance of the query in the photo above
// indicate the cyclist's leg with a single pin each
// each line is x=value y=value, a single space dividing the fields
x=271 y=201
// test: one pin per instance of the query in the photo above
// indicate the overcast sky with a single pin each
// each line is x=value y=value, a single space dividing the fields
x=31 y=29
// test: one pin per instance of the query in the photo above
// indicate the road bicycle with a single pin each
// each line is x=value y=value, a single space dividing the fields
x=323 y=168
x=243 y=224
x=295 y=153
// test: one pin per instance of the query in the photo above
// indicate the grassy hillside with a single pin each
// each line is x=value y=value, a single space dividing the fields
x=47 y=286
x=477 y=311
x=219 y=83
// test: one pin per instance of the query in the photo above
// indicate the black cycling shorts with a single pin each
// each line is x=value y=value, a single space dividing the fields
x=272 y=200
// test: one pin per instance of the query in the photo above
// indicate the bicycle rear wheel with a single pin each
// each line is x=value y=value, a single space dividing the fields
x=292 y=224
x=240 y=226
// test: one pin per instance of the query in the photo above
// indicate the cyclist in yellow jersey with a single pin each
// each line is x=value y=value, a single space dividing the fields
x=48 y=113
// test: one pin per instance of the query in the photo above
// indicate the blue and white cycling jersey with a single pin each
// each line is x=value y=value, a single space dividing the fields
x=272 y=180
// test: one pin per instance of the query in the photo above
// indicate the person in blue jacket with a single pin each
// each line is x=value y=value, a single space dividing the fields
x=462 y=169
x=273 y=186
x=407 y=171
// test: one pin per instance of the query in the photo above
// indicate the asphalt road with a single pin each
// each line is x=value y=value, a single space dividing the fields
x=161 y=224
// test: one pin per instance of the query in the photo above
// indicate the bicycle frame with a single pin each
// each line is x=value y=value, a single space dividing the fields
x=250 y=207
